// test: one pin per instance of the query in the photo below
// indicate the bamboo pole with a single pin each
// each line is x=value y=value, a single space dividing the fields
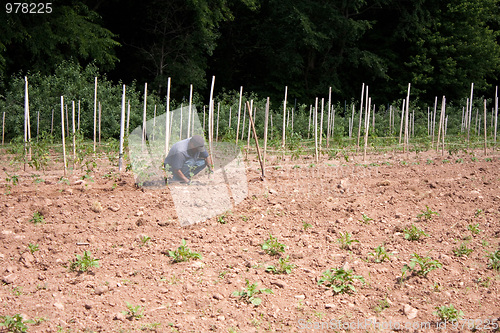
x=485 y=131
x=167 y=120
x=496 y=116
x=367 y=127
x=443 y=108
x=249 y=129
x=74 y=132
x=26 y=120
x=79 y=111
x=284 y=115
x=211 y=120
x=256 y=139
x=180 y=123
x=402 y=121
x=360 y=115
x=239 y=114
x=243 y=125
x=67 y=120
x=441 y=122
x=122 y=130
x=328 y=125
x=316 y=157
x=63 y=135
x=95 y=113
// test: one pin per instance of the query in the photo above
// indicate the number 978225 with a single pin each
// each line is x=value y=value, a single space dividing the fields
x=28 y=8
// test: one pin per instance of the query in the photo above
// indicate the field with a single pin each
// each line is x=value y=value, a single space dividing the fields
x=374 y=218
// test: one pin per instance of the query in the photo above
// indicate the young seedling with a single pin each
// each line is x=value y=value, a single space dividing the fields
x=382 y=305
x=133 y=312
x=32 y=248
x=145 y=240
x=11 y=181
x=380 y=254
x=284 y=266
x=427 y=214
x=478 y=212
x=414 y=233
x=494 y=260
x=426 y=264
x=463 y=250
x=272 y=247
x=448 y=313
x=83 y=263
x=248 y=293
x=37 y=218
x=365 y=219
x=345 y=240
x=15 y=324
x=306 y=225
x=340 y=280
x=183 y=253
x=474 y=228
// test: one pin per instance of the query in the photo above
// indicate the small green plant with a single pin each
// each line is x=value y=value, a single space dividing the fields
x=284 y=266
x=365 y=219
x=32 y=248
x=462 y=250
x=427 y=214
x=429 y=161
x=63 y=180
x=15 y=324
x=478 y=213
x=380 y=254
x=37 y=179
x=306 y=225
x=83 y=263
x=345 y=240
x=340 y=280
x=248 y=293
x=133 y=312
x=413 y=233
x=474 y=228
x=37 y=218
x=448 y=313
x=494 y=260
x=183 y=253
x=382 y=305
x=11 y=181
x=222 y=219
x=426 y=264
x=272 y=247
x=145 y=240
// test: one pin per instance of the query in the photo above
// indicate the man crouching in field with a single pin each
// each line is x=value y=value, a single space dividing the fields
x=187 y=158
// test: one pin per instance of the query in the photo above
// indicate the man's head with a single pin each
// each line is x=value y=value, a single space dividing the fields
x=196 y=143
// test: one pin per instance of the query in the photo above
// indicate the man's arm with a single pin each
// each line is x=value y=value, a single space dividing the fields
x=180 y=175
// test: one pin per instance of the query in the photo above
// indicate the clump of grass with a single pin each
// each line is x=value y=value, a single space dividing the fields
x=340 y=280
x=272 y=247
x=284 y=266
x=448 y=313
x=413 y=233
x=345 y=240
x=83 y=263
x=249 y=293
x=183 y=253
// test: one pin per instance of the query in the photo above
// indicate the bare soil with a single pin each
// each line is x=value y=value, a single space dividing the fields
x=305 y=205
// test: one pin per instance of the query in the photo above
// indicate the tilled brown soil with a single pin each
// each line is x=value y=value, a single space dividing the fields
x=305 y=205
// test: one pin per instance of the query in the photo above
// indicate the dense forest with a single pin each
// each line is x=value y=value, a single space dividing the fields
x=440 y=47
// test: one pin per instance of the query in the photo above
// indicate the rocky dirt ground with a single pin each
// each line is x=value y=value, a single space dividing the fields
x=306 y=206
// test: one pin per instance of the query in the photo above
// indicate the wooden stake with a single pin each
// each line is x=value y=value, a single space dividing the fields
x=256 y=139
x=406 y=141
x=63 y=135
x=316 y=157
x=78 y=115
x=367 y=126
x=189 y=110
x=266 y=120
x=284 y=118
x=321 y=124
x=144 y=115
x=485 y=131
x=211 y=119
x=360 y=116
x=167 y=120
x=239 y=113
x=122 y=130
x=309 y=127
x=74 y=132
x=402 y=121
x=95 y=113
x=470 y=114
